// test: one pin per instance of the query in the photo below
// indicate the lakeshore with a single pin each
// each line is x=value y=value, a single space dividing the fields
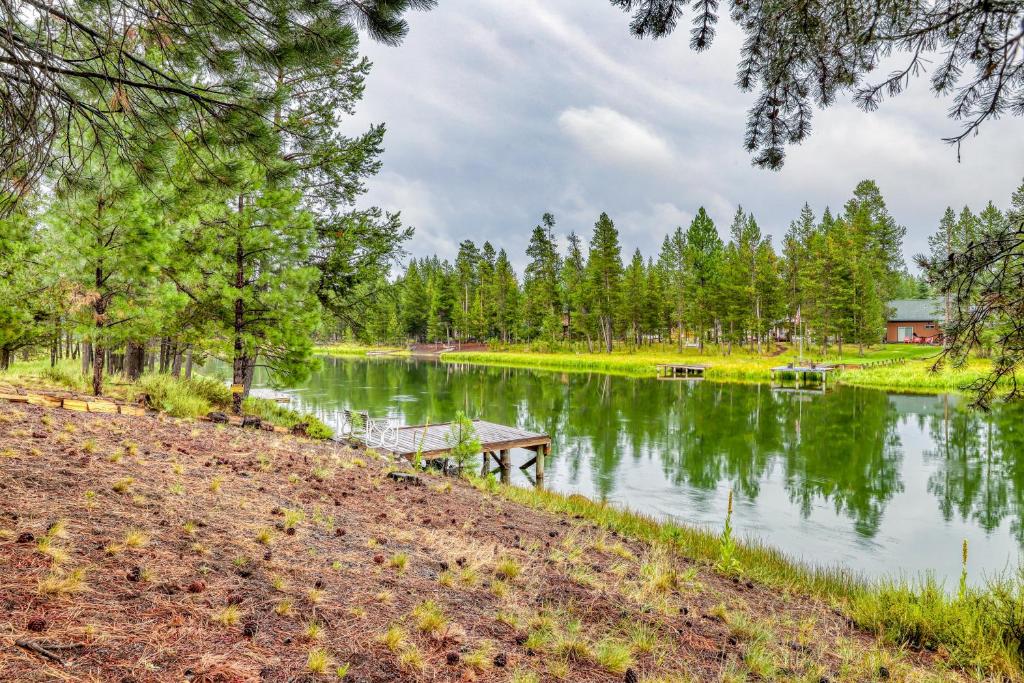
x=896 y=367
x=139 y=471
x=162 y=549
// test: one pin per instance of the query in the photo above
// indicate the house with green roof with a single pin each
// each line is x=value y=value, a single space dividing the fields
x=914 y=321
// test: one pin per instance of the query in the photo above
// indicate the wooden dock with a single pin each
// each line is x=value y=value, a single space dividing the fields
x=680 y=371
x=496 y=441
x=803 y=374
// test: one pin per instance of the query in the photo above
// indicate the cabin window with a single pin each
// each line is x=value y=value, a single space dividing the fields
x=904 y=333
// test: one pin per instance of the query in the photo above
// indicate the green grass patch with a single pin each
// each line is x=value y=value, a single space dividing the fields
x=911 y=372
x=183 y=397
x=274 y=413
x=37 y=373
x=179 y=397
x=918 y=375
x=351 y=349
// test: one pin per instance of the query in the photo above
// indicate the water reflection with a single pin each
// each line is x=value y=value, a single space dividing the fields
x=844 y=476
x=979 y=474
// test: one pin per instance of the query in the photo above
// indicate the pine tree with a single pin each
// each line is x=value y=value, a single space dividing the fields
x=882 y=235
x=875 y=256
x=465 y=287
x=252 y=275
x=604 y=268
x=23 y=289
x=657 y=314
x=819 y=284
x=941 y=247
x=770 y=289
x=486 y=278
x=739 y=295
x=506 y=298
x=702 y=266
x=543 y=308
x=414 y=302
x=795 y=268
x=437 y=327
x=574 y=288
x=634 y=301
x=112 y=240
x=672 y=260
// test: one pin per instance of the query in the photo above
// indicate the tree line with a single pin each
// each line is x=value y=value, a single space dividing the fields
x=829 y=281
x=198 y=244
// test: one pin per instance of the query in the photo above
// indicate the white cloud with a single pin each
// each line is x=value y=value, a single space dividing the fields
x=498 y=112
x=612 y=137
x=420 y=208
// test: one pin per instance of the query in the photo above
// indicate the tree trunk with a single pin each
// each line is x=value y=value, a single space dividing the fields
x=134 y=360
x=86 y=357
x=757 y=332
x=178 y=357
x=97 y=370
x=188 y=362
x=240 y=361
x=161 y=366
x=5 y=359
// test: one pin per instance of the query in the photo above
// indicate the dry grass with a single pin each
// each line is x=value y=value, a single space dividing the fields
x=280 y=574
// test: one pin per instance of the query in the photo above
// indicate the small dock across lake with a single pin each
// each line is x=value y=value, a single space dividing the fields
x=496 y=441
x=803 y=374
x=680 y=371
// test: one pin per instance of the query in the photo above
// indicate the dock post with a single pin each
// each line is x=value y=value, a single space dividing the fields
x=541 y=452
x=506 y=466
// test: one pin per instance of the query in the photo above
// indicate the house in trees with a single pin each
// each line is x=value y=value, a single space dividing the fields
x=914 y=321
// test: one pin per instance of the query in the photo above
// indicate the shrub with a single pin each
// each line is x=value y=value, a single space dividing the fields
x=180 y=398
x=462 y=440
x=67 y=377
x=271 y=411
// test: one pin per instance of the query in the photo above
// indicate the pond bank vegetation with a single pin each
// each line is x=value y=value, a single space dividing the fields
x=177 y=396
x=896 y=367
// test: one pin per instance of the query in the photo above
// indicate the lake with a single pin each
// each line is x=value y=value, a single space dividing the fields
x=884 y=483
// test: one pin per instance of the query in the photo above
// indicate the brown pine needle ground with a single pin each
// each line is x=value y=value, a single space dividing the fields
x=172 y=550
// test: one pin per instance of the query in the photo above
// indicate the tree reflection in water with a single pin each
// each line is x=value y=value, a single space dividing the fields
x=845 y=450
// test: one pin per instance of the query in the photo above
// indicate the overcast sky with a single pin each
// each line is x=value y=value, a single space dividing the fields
x=498 y=111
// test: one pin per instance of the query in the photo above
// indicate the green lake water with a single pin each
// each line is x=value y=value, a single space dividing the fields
x=884 y=483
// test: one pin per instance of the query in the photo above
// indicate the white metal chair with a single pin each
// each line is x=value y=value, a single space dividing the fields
x=374 y=432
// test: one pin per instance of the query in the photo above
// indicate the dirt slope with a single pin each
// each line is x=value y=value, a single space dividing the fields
x=134 y=549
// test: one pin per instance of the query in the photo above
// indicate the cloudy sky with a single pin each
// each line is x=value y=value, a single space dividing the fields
x=498 y=111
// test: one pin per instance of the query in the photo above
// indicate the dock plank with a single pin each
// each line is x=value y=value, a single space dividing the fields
x=432 y=440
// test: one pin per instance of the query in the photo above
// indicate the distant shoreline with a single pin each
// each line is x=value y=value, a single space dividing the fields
x=898 y=368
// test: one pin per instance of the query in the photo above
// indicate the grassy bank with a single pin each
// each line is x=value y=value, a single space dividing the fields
x=979 y=630
x=162 y=550
x=178 y=397
x=910 y=368
x=347 y=349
